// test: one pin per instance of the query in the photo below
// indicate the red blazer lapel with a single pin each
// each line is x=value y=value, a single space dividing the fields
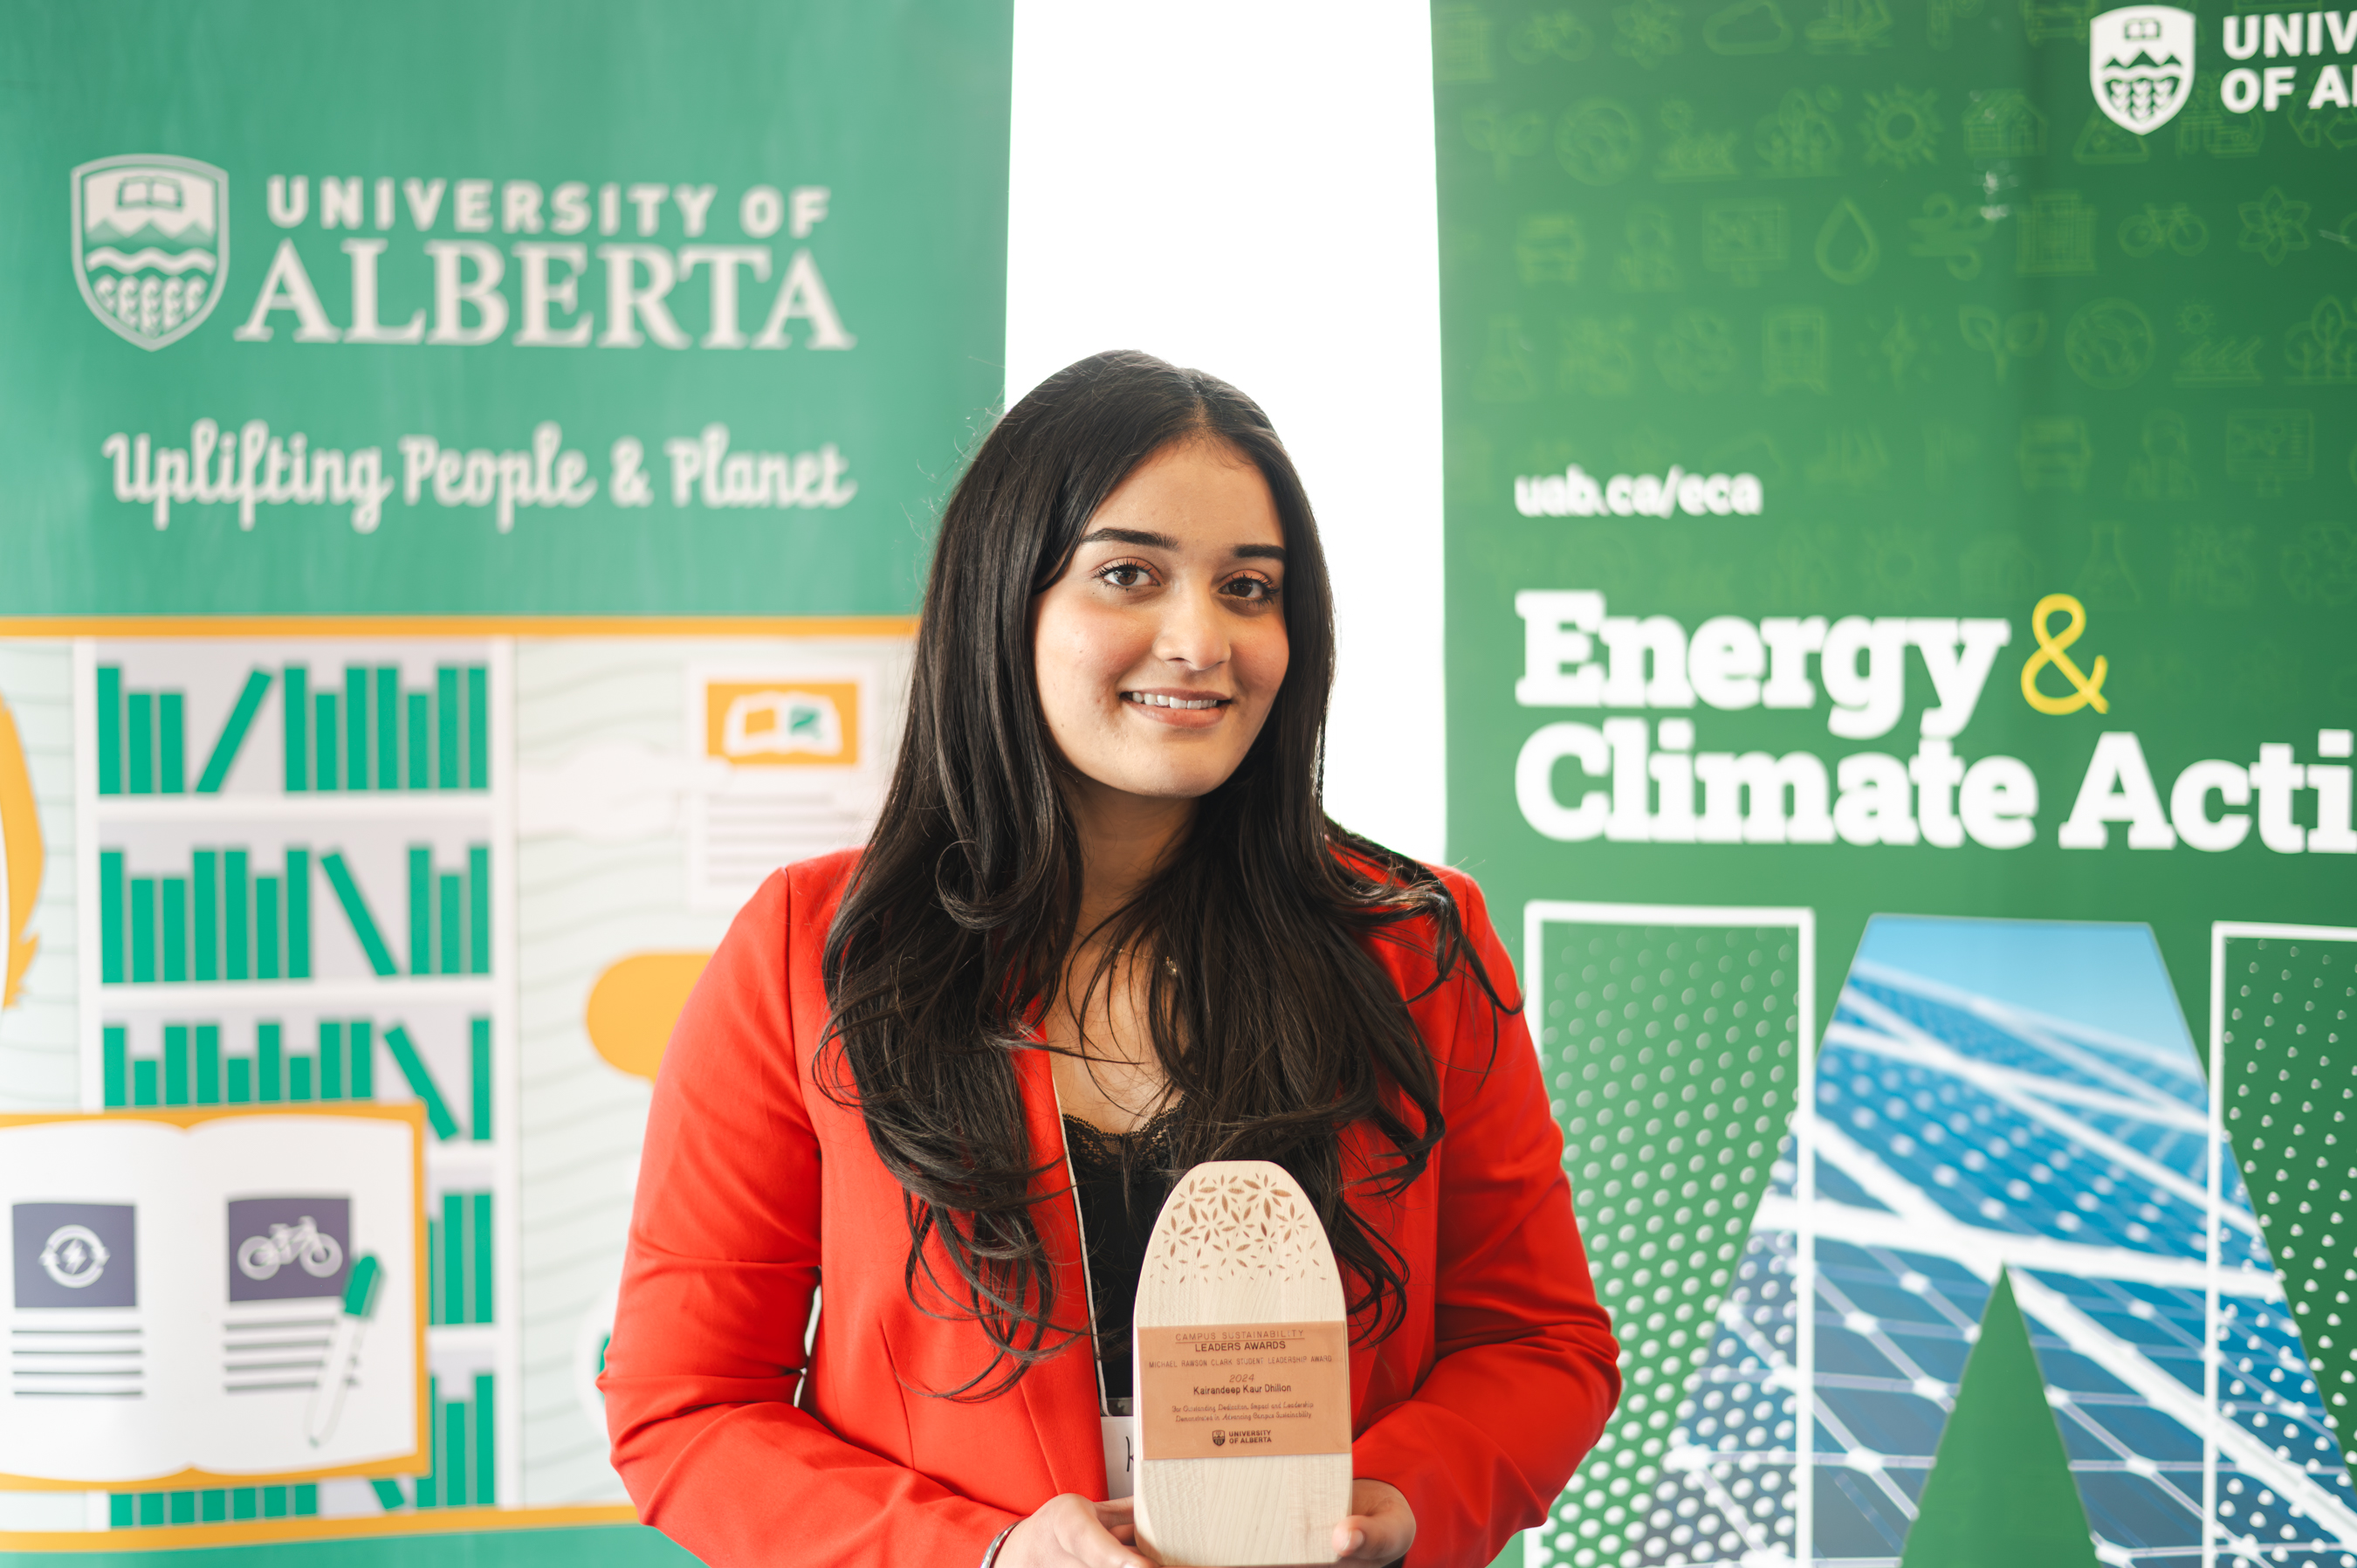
x=1061 y=1393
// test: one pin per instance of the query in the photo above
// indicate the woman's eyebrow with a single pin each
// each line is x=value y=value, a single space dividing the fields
x=1164 y=542
x=1130 y=536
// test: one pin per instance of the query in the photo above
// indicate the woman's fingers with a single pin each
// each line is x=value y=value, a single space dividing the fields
x=1381 y=1527
x=1371 y=1542
x=1119 y=1519
x=1072 y=1531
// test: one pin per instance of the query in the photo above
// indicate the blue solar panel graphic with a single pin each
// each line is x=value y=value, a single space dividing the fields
x=1954 y=1135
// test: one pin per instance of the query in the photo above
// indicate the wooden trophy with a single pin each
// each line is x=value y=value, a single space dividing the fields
x=1244 y=1376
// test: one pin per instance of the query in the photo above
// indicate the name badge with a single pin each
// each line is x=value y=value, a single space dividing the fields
x=1120 y=1454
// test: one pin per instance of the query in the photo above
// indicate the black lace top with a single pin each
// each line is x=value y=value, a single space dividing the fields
x=1120 y=1180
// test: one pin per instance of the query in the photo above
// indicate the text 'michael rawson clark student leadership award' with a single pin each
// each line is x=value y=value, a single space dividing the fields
x=1243 y=1375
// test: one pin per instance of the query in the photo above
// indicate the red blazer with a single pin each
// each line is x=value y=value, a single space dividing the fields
x=754 y=1187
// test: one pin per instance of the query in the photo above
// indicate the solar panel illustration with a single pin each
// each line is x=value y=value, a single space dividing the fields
x=1954 y=1135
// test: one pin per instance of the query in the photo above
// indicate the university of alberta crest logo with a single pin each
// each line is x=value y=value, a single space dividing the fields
x=2140 y=59
x=150 y=244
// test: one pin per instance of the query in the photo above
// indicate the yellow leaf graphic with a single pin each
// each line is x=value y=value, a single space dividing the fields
x=20 y=859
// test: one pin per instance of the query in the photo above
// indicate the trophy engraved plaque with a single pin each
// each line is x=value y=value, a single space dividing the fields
x=1244 y=1376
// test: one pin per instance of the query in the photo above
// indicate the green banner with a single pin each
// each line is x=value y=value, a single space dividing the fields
x=474 y=467
x=1899 y=467
x=605 y=308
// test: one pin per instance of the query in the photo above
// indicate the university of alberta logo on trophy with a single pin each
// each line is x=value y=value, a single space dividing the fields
x=150 y=244
x=2140 y=60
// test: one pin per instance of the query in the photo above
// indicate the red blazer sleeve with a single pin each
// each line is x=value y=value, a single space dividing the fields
x=1525 y=1368
x=707 y=1353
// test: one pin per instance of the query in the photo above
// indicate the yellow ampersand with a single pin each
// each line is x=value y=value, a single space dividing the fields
x=2088 y=687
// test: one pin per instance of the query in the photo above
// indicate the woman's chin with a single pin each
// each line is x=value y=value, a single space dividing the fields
x=1187 y=782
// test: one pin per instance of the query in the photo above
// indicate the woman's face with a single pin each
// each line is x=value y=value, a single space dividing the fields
x=1160 y=649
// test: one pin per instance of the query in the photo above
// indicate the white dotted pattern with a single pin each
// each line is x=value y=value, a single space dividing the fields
x=2290 y=1089
x=1671 y=1056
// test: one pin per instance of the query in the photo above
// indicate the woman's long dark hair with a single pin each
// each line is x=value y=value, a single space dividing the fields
x=1275 y=1025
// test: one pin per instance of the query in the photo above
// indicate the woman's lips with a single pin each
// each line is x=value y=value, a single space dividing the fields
x=1177 y=709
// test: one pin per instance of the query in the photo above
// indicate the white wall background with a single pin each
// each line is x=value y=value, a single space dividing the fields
x=1248 y=189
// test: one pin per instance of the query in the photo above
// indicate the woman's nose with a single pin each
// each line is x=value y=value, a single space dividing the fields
x=1192 y=632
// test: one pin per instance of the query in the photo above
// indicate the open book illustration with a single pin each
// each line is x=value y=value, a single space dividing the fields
x=211 y=1295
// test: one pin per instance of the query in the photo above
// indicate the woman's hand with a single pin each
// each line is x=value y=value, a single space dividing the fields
x=1381 y=1527
x=1071 y=1531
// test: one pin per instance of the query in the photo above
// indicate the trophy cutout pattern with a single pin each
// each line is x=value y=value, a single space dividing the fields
x=1238 y=1247
x=1239 y=1220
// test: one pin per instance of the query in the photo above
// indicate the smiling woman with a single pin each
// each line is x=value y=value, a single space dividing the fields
x=1104 y=932
x=1160 y=649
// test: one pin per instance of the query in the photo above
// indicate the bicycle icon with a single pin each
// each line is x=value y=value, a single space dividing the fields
x=301 y=1243
x=2177 y=228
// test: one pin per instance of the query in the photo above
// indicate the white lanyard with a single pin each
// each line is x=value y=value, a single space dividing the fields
x=1120 y=1432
